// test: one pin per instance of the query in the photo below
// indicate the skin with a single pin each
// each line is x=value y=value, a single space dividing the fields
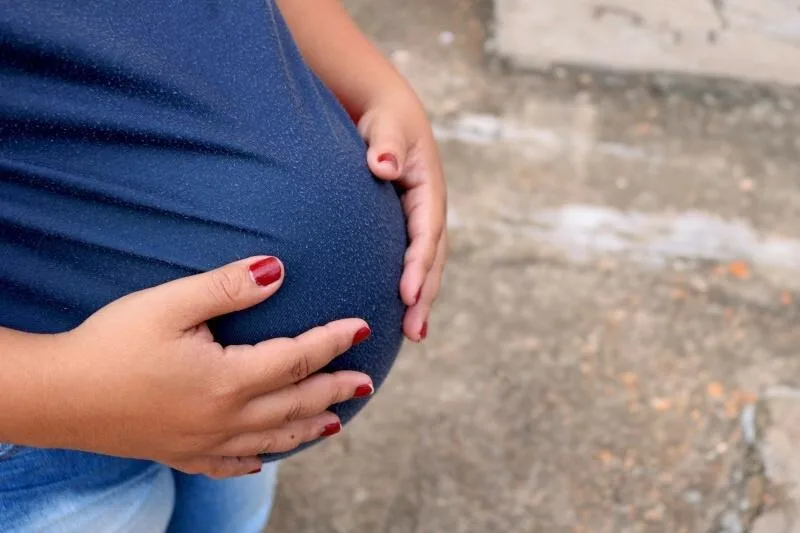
x=149 y=357
x=143 y=378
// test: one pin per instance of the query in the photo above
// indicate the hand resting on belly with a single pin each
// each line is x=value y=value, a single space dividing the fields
x=341 y=240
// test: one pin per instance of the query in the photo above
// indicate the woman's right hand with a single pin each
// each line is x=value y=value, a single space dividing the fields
x=144 y=378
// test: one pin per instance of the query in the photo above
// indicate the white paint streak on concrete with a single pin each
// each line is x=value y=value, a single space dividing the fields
x=483 y=129
x=583 y=232
x=474 y=128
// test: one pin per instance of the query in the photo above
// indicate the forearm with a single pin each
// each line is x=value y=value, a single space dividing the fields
x=341 y=55
x=24 y=389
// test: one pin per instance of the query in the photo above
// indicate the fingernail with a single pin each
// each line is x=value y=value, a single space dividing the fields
x=256 y=471
x=266 y=271
x=361 y=335
x=388 y=158
x=331 y=429
x=363 y=390
x=423 y=333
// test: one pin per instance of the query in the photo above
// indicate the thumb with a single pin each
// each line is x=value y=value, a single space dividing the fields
x=190 y=301
x=387 y=147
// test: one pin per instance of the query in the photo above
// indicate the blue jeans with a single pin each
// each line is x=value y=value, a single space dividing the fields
x=62 y=491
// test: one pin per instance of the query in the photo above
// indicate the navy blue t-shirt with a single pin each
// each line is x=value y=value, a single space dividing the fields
x=142 y=141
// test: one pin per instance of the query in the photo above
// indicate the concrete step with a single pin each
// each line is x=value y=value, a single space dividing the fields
x=757 y=40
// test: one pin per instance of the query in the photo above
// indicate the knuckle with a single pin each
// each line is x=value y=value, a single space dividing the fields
x=435 y=296
x=330 y=390
x=221 y=398
x=329 y=341
x=311 y=432
x=295 y=410
x=327 y=331
x=431 y=249
x=339 y=394
x=439 y=233
x=300 y=366
x=224 y=286
x=343 y=341
x=267 y=443
x=333 y=341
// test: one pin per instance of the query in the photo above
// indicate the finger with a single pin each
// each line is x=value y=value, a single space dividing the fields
x=415 y=322
x=192 y=300
x=306 y=399
x=426 y=219
x=388 y=148
x=218 y=467
x=276 y=363
x=283 y=439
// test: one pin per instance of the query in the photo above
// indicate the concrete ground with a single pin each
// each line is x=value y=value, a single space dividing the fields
x=618 y=314
x=742 y=39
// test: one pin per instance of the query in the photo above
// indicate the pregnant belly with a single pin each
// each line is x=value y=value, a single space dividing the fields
x=76 y=243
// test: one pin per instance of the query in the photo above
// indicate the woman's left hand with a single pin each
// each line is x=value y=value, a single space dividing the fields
x=402 y=149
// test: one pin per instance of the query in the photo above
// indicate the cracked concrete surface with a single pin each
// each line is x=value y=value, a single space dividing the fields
x=765 y=496
x=617 y=315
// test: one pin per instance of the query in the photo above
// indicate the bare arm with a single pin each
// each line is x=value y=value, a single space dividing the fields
x=23 y=383
x=341 y=55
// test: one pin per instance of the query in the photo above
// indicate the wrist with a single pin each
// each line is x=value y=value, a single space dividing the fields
x=402 y=104
x=399 y=95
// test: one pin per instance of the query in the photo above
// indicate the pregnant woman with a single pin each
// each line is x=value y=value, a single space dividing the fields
x=205 y=266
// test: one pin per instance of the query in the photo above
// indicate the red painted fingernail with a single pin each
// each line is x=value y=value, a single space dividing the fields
x=266 y=271
x=423 y=333
x=256 y=471
x=361 y=335
x=331 y=429
x=363 y=390
x=391 y=159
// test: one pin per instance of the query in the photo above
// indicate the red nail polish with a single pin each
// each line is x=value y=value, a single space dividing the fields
x=331 y=429
x=256 y=471
x=363 y=390
x=423 y=333
x=388 y=158
x=361 y=335
x=266 y=271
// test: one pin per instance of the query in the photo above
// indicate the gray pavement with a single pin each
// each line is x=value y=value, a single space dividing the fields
x=614 y=348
